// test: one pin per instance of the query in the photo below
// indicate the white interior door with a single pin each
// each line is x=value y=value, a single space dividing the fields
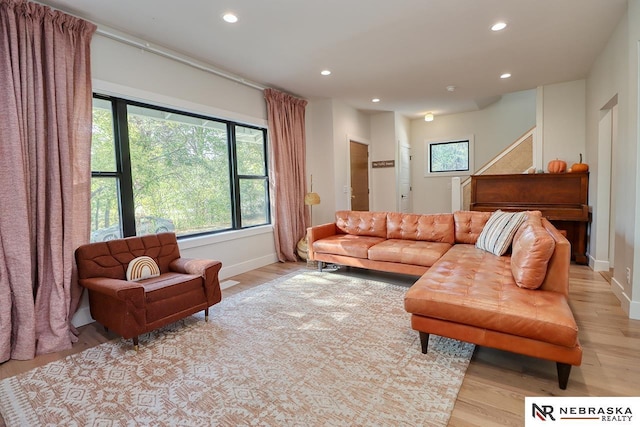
x=404 y=179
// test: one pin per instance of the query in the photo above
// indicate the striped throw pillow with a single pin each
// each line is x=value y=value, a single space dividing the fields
x=498 y=232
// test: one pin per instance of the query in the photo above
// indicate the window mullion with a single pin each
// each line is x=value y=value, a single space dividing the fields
x=235 y=180
x=124 y=168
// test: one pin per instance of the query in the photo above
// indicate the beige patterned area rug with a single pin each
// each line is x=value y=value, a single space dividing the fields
x=308 y=349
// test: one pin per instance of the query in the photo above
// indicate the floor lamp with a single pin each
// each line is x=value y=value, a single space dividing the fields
x=310 y=199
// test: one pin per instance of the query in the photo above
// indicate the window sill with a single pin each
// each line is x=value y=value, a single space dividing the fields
x=195 y=242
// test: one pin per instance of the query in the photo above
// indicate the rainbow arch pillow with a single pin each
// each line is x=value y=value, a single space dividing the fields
x=142 y=267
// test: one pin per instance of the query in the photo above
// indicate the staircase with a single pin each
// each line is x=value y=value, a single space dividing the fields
x=516 y=158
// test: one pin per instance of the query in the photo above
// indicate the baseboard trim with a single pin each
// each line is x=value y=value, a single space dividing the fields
x=243 y=267
x=82 y=317
x=618 y=291
x=634 y=310
x=598 y=265
x=226 y=284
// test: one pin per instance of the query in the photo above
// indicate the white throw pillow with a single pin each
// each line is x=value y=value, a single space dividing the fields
x=142 y=267
x=498 y=232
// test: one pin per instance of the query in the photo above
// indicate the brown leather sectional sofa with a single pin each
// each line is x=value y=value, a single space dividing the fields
x=131 y=308
x=464 y=292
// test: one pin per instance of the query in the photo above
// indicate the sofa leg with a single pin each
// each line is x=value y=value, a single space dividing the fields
x=564 y=369
x=206 y=314
x=320 y=266
x=135 y=344
x=424 y=341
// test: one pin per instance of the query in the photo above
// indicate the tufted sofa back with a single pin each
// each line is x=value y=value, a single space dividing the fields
x=111 y=258
x=361 y=223
x=468 y=225
x=459 y=227
x=431 y=228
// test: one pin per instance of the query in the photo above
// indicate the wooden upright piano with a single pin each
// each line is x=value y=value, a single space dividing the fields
x=561 y=197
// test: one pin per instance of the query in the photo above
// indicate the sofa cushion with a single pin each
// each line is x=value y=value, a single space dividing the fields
x=498 y=232
x=469 y=225
x=532 y=249
x=473 y=287
x=346 y=244
x=359 y=223
x=408 y=251
x=431 y=228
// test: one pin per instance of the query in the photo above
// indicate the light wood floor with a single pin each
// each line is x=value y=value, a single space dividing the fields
x=496 y=382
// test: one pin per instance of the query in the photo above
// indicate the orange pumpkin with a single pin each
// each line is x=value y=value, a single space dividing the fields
x=579 y=167
x=557 y=166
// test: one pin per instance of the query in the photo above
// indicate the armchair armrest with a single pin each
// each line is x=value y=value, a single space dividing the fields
x=199 y=267
x=114 y=288
x=207 y=269
x=117 y=304
x=319 y=232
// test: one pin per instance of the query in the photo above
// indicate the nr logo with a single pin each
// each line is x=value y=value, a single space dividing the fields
x=543 y=412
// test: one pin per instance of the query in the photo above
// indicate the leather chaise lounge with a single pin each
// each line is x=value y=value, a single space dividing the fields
x=516 y=302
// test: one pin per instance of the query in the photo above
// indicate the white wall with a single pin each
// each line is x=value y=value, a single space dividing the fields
x=115 y=62
x=563 y=134
x=348 y=123
x=383 y=147
x=320 y=146
x=494 y=128
x=615 y=72
x=330 y=125
x=119 y=69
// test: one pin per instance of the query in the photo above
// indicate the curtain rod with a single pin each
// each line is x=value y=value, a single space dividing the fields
x=167 y=53
x=125 y=38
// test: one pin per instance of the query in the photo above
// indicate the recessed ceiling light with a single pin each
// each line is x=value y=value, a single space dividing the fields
x=451 y=88
x=325 y=72
x=498 y=26
x=505 y=75
x=375 y=100
x=230 y=18
x=428 y=117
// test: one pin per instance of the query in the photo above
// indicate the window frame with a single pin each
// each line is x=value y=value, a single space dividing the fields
x=428 y=144
x=124 y=177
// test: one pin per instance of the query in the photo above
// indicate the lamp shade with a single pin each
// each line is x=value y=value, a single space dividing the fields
x=311 y=199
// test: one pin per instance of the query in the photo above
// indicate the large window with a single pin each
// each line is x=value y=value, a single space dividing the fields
x=156 y=169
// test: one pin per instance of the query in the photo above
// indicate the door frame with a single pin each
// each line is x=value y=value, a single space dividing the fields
x=601 y=228
x=362 y=141
x=399 y=171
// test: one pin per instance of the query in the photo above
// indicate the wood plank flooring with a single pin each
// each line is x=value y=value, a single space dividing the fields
x=496 y=382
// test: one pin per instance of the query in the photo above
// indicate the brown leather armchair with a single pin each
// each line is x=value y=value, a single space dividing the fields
x=184 y=286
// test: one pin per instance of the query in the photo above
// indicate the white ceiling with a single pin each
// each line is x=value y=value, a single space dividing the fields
x=404 y=52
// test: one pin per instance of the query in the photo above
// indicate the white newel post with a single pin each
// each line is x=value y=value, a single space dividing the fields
x=456 y=199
